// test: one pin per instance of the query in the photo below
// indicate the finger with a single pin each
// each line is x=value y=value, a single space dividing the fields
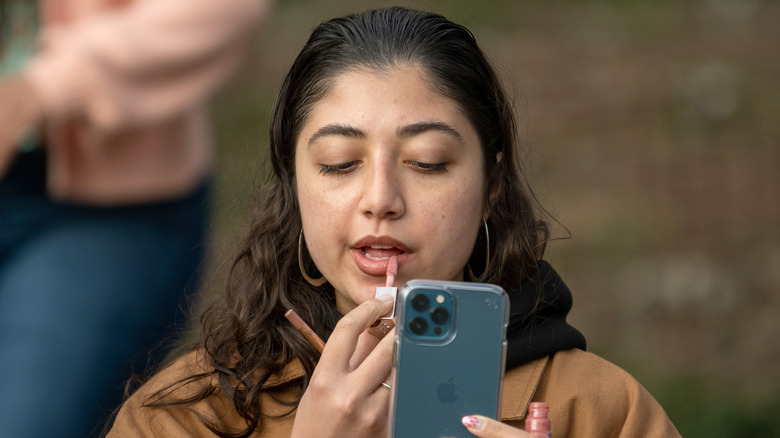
x=379 y=401
x=366 y=343
x=369 y=340
x=343 y=341
x=377 y=365
x=485 y=427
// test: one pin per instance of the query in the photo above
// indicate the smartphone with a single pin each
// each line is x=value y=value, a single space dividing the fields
x=450 y=352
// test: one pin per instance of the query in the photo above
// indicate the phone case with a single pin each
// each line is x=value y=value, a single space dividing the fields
x=447 y=363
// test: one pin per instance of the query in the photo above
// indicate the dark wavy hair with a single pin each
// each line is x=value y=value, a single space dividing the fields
x=244 y=333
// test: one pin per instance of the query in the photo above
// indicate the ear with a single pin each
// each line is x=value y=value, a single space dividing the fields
x=494 y=191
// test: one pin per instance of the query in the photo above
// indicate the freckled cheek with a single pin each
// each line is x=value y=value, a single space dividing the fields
x=312 y=207
x=324 y=220
x=307 y=202
x=454 y=217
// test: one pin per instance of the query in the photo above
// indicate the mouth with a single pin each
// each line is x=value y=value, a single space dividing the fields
x=372 y=254
x=380 y=252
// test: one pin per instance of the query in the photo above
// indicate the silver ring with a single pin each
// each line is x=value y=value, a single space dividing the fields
x=386 y=385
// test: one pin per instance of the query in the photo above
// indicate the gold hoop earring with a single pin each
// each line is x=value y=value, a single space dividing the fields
x=312 y=281
x=481 y=278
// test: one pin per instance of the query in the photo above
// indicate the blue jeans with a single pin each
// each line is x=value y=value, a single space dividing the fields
x=87 y=295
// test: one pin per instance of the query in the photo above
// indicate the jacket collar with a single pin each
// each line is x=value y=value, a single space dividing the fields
x=292 y=371
x=519 y=386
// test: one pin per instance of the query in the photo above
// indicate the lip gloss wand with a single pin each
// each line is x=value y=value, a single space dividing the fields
x=388 y=289
x=392 y=271
x=305 y=330
x=383 y=325
x=379 y=328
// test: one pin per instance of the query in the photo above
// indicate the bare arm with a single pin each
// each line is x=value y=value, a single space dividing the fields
x=20 y=113
x=142 y=63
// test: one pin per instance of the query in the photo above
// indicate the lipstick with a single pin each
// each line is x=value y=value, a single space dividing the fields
x=305 y=330
x=388 y=289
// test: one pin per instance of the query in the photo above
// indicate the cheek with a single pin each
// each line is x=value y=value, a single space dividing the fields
x=322 y=216
x=307 y=203
x=456 y=216
x=312 y=204
x=466 y=201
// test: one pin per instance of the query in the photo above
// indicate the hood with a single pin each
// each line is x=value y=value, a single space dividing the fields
x=537 y=318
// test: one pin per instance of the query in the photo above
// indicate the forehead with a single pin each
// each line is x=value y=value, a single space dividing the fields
x=377 y=98
x=390 y=84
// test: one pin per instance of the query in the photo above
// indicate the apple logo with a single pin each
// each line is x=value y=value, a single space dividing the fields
x=446 y=391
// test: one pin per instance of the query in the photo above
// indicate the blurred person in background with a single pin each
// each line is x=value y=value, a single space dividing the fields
x=105 y=157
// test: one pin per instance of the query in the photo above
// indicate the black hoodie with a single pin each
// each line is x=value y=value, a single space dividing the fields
x=537 y=318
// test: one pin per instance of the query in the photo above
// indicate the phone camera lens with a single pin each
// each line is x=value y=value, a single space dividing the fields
x=418 y=326
x=420 y=302
x=439 y=315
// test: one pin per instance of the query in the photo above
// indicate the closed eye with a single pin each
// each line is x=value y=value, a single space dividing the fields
x=337 y=168
x=428 y=167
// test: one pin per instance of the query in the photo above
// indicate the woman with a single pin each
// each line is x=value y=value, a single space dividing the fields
x=391 y=137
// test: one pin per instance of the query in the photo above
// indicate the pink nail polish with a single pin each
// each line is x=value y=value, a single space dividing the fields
x=472 y=422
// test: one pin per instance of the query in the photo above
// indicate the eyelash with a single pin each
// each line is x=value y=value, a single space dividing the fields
x=336 y=168
x=429 y=167
x=341 y=168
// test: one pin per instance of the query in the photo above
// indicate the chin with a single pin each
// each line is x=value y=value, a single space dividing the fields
x=368 y=294
x=365 y=293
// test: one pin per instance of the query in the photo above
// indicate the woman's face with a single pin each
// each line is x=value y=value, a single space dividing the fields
x=386 y=167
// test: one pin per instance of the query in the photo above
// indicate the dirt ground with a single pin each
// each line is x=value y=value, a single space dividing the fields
x=651 y=133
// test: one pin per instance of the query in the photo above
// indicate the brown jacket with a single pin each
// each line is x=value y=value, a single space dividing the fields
x=588 y=397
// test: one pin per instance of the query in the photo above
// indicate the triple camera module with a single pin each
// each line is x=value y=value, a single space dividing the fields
x=429 y=314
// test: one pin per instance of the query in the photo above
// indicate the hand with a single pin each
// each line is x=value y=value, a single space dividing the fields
x=345 y=397
x=484 y=427
x=19 y=111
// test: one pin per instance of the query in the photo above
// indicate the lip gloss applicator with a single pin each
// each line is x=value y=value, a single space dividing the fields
x=380 y=328
x=392 y=271
x=384 y=324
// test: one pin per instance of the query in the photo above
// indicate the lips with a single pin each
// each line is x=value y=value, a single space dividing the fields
x=371 y=254
x=381 y=252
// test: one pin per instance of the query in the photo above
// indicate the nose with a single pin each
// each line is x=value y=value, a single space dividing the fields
x=382 y=195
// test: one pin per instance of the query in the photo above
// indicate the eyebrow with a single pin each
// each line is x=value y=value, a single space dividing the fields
x=423 y=127
x=403 y=132
x=339 y=130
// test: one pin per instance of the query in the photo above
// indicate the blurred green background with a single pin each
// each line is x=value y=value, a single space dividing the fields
x=650 y=131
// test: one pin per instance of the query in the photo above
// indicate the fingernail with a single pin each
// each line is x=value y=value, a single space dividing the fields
x=472 y=422
x=386 y=297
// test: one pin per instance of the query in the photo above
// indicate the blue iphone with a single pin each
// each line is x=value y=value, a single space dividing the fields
x=450 y=350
